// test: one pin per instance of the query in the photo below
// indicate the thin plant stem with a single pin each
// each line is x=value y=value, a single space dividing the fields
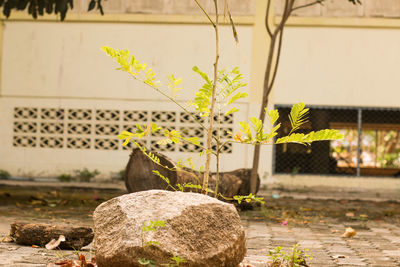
x=218 y=151
x=309 y=4
x=205 y=12
x=213 y=100
x=267 y=19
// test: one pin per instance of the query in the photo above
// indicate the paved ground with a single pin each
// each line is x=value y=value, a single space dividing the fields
x=378 y=245
x=315 y=223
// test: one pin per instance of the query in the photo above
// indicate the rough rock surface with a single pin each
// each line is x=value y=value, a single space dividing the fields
x=200 y=229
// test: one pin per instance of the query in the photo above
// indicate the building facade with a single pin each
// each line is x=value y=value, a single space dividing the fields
x=62 y=103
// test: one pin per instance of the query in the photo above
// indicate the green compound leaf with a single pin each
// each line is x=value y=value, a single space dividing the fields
x=327 y=134
x=298 y=116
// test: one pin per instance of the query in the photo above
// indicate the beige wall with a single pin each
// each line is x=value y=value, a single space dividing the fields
x=65 y=59
x=343 y=8
x=339 y=66
x=49 y=65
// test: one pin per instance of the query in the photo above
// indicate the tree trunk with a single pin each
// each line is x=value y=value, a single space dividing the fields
x=139 y=176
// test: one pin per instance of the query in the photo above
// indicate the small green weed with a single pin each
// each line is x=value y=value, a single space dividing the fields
x=175 y=262
x=4 y=174
x=85 y=175
x=64 y=177
x=295 y=258
x=151 y=227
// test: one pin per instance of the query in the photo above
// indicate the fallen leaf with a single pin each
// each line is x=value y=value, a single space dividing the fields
x=34 y=246
x=334 y=231
x=363 y=215
x=338 y=256
x=39 y=196
x=77 y=263
x=55 y=193
x=350 y=214
x=349 y=232
x=55 y=243
x=69 y=263
x=64 y=202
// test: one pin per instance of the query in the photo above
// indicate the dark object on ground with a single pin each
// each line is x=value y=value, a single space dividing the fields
x=41 y=234
x=139 y=176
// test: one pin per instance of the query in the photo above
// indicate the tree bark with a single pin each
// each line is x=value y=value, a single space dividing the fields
x=139 y=176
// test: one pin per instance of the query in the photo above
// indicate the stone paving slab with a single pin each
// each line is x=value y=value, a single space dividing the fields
x=328 y=248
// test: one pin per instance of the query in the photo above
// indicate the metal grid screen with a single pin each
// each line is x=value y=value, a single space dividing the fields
x=371 y=144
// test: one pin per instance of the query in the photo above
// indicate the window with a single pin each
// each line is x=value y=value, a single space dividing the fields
x=371 y=144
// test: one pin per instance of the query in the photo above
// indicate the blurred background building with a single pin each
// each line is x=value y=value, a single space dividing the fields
x=62 y=104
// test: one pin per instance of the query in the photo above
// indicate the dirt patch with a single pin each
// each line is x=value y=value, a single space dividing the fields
x=306 y=211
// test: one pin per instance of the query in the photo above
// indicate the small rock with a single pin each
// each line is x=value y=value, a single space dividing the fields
x=350 y=232
x=157 y=225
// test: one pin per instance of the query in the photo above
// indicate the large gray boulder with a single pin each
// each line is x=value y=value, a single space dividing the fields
x=200 y=229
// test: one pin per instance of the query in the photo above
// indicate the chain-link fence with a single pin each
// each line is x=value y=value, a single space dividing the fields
x=371 y=144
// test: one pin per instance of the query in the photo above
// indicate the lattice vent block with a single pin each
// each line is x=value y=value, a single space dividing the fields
x=86 y=128
x=52 y=142
x=107 y=115
x=79 y=128
x=186 y=118
x=52 y=128
x=191 y=148
x=78 y=143
x=163 y=116
x=52 y=114
x=79 y=114
x=192 y=132
x=227 y=148
x=223 y=131
x=24 y=141
x=25 y=113
x=129 y=127
x=106 y=143
x=135 y=116
x=107 y=129
x=25 y=127
x=225 y=119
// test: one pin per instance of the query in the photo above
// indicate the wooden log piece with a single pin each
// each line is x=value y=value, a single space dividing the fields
x=41 y=234
x=139 y=176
